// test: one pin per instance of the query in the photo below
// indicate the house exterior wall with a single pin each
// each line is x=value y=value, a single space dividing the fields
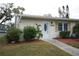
x=72 y=24
x=52 y=26
x=56 y=31
x=53 y=29
x=31 y=22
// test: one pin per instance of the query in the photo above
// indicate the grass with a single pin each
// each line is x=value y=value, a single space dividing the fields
x=34 y=48
x=3 y=40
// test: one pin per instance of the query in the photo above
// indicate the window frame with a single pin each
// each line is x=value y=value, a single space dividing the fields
x=63 y=26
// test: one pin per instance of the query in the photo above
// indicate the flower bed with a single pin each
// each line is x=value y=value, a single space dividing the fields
x=72 y=42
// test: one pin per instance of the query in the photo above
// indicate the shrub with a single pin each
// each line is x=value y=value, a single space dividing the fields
x=39 y=33
x=76 y=31
x=13 y=34
x=29 y=33
x=64 y=34
x=3 y=40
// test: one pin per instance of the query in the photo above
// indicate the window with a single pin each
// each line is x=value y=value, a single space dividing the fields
x=65 y=26
x=2 y=28
x=45 y=27
x=62 y=26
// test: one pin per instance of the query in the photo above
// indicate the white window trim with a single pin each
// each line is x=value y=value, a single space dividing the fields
x=63 y=29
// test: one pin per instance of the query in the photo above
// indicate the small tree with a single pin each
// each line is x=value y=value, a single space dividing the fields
x=6 y=12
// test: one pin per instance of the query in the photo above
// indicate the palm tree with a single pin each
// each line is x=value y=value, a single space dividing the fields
x=59 y=11
x=67 y=11
x=63 y=13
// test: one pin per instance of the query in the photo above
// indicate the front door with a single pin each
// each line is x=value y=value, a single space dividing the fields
x=45 y=30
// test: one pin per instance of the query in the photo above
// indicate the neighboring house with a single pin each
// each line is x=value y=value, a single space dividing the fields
x=50 y=26
x=3 y=28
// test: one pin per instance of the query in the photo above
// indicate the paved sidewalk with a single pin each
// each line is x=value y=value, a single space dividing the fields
x=71 y=50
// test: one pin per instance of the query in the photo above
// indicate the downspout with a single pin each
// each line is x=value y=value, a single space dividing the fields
x=62 y=26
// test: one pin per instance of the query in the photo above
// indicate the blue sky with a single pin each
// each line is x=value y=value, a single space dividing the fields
x=41 y=7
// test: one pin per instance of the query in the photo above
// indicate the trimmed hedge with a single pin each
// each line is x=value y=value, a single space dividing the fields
x=13 y=34
x=29 y=33
x=64 y=34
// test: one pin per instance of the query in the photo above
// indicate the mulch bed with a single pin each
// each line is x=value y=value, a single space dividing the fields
x=68 y=40
x=21 y=42
x=29 y=41
x=72 y=42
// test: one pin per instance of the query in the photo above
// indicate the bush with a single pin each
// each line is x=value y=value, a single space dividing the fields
x=13 y=34
x=3 y=40
x=39 y=33
x=76 y=31
x=64 y=34
x=29 y=33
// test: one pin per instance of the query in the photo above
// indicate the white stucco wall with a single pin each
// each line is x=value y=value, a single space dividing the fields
x=72 y=24
x=51 y=33
x=53 y=30
x=30 y=22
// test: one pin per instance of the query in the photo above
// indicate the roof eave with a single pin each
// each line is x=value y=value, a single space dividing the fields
x=48 y=18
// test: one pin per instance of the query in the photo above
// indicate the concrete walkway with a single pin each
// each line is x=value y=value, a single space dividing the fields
x=71 y=50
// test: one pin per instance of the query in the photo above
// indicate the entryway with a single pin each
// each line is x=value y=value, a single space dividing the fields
x=45 y=30
x=48 y=30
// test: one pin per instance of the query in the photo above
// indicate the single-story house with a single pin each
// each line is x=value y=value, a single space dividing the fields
x=50 y=26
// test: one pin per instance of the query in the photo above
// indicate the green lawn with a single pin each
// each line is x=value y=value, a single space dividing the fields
x=74 y=44
x=34 y=48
